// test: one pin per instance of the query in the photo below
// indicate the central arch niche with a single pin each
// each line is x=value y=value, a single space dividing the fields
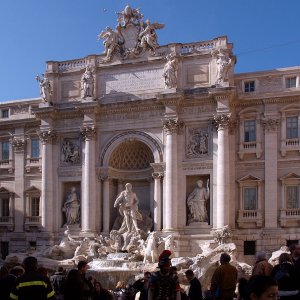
x=131 y=162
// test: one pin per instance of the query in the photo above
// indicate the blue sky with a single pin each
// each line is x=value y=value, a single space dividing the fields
x=265 y=33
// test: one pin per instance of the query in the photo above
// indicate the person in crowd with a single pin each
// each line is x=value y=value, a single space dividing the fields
x=7 y=283
x=43 y=271
x=260 y=287
x=100 y=293
x=87 y=285
x=72 y=288
x=262 y=266
x=4 y=272
x=195 y=291
x=122 y=291
x=32 y=285
x=224 y=279
x=142 y=285
x=57 y=281
x=287 y=278
x=242 y=289
x=295 y=254
x=163 y=285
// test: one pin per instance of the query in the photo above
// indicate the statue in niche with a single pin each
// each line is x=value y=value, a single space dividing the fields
x=170 y=71
x=224 y=62
x=196 y=203
x=45 y=88
x=87 y=83
x=128 y=208
x=198 y=144
x=129 y=16
x=148 y=37
x=71 y=207
x=113 y=41
x=70 y=152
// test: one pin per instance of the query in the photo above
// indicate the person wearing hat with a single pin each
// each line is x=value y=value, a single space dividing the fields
x=163 y=285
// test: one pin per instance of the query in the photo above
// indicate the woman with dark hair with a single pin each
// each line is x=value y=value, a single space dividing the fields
x=100 y=293
x=72 y=289
x=261 y=287
x=287 y=278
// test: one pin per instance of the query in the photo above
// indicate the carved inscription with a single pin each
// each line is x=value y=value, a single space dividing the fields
x=130 y=82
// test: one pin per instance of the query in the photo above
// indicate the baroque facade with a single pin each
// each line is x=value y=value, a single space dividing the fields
x=176 y=122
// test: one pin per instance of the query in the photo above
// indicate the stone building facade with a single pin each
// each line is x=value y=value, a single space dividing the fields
x=161 y=118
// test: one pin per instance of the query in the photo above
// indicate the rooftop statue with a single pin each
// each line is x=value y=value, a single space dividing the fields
x=132 y=36
x=129 y=16
x=224 y=62
x=148 y=37
x=45 y=88
x=87 y=83
x=113 y=41
x=170 y=71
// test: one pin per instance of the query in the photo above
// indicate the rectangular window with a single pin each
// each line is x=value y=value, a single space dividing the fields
x=249 y=247
x=250 y=198
x=249 y=86
x=290 y=82
x=292 y=127
x=4 y=113
x=250 y=130
x=4 y=207
x=35 y=148
x=35 y=206
x=292 y=195
x=5 y=150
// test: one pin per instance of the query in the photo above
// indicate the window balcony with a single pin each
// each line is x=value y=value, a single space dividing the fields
x=32 y=222
x=250 y=218
x=290 y=145
x=7 y=222
x=33 y=162
x=248 y=148
x=7 y=164
x=289 y=217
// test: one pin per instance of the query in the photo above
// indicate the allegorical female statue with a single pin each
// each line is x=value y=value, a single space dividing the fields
x=71 y=207
x=196 y=203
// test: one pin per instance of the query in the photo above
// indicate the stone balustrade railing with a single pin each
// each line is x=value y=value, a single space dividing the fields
x=71 y=64
x=197 y=47
x=6 y=219
x=249 y=145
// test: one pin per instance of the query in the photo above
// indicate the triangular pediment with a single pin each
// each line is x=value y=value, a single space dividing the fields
x=290 y=176
x=32 y=189
x=249 y=178
x=4 y=190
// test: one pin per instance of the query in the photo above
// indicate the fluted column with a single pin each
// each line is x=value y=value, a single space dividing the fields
x=88 y=204
x=157 y=200
x=221 y=209
x=171 y=127
x=47 y=138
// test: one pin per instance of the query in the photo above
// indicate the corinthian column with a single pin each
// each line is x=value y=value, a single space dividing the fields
x=171 y=127
x=221 y=209
x=47 y=138
x=270 y=126
x=88 y=204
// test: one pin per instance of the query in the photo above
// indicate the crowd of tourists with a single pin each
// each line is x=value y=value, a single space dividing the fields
x=28 y=282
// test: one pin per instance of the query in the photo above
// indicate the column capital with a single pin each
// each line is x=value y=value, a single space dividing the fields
x=47 y=136
x=158 y=175
x=88 y=133
x=223 y=121
x=172 y=125
x=270 y=124
x=18 y=144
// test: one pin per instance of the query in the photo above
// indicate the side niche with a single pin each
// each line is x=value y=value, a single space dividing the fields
x=70 y=151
